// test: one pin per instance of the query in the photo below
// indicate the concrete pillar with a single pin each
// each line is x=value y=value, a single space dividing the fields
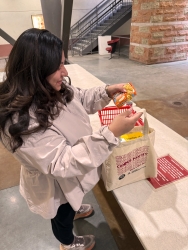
x=51 y=10
x=159 y=31
x=57 y=19
x=66 y=23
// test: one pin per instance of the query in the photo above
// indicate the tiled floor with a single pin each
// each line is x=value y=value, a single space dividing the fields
x=157 y=86
x=22 y=230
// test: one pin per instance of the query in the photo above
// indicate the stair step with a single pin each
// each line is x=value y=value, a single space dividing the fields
x=76 y=46
x=89 y=39
x=74 y=49
x=100 y=27
x=91 y=35
x=94 y=34
x=94 y=31
x=81 y=45
x=84 y=41
x=109 y=21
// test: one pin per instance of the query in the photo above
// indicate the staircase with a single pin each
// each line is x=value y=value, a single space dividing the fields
x=104 y=19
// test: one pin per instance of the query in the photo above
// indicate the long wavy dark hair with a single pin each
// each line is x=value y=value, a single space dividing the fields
x=35 y=55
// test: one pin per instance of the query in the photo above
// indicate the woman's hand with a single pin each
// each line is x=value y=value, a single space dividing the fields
x=122 y=123
x=115 y=88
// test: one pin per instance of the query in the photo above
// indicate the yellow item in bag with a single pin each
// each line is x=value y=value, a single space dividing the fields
x=131 y=136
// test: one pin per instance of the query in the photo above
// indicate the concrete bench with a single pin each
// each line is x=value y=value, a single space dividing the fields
x=159 y=218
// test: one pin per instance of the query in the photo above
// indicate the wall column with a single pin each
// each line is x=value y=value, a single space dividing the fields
x=159 y=31
x=51 y=10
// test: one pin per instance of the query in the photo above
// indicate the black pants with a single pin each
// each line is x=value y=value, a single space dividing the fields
x=62 y=224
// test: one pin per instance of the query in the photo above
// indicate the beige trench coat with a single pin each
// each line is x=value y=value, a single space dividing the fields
x=63 y=163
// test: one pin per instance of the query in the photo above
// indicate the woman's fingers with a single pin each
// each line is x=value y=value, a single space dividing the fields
x=115 y=88
x=136 y=116
x=123 y=122
x=127 y=112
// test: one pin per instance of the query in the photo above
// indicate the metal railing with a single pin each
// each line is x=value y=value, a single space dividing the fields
x=6 y=36
x=123 y=47
x=84 y=30
x=93 y=14
x=95 y=17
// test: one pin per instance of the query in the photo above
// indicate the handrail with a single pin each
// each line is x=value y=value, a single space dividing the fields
x=107 y=26
x=87 y=30
x=6 y=36
x=101 y=17
x=84 y=17
x=93 y=23
x=123 y=37
x=92 y=38
x=93 y=16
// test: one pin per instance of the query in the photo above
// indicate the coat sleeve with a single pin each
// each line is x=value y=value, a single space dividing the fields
x=92 y=99
x=49 y=153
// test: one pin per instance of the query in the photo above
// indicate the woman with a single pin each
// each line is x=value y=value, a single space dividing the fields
x=44 y=122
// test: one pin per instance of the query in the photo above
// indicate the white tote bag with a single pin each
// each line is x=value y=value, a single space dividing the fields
x=132 y=160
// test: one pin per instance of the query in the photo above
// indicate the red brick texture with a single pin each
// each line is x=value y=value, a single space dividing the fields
x=159 y=31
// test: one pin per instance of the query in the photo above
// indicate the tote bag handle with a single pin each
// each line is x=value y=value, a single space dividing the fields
x=145 y=128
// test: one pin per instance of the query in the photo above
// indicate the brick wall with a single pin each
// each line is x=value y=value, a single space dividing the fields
x=159 y=31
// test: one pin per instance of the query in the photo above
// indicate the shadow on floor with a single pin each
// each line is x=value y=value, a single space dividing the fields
x=121 y=230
